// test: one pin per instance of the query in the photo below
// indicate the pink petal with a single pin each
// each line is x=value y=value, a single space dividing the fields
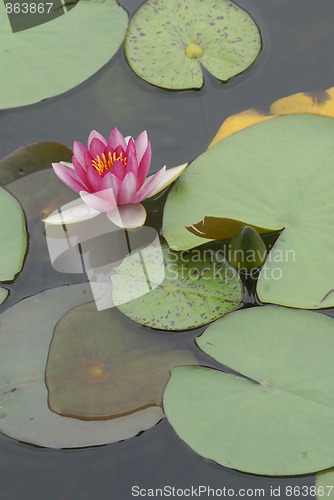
x=131 y=148
x=119 y=150
x=132 y=164
x=110 y=181
x=103 y=201
x=79 y=151
x=128 y=216
x=95 y=135
x=97 y=147
x=141 y=144
x=79 y=170
x=128 y=189
x=144 y=166
x=94 y=179
x=116 y=139
x=77 y=212
x=118 y=169
x=148 y=188
x=69 y=177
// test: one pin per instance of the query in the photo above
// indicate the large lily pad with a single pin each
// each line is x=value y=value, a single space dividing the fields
x=25 y=336
x=100 y=366
x=279 y=421
x=197 y=288
x=168 y=40
x=13 y=239
x=51 y=58
x=274 y=175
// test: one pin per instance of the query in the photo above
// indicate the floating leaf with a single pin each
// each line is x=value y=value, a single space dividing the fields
x=279 y=421
x=168 y=40
x=25 y=336
x=13 y=239
x=3 y=295
x=31 y=158
x=274 y=175
x=320 y=103
x=72 y=48
x=198 y=287
x=101 y=367
x=324 y=485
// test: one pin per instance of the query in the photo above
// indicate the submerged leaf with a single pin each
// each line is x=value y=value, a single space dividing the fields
x=31 y=158
x=188 y=290
x=101 y=367
x=168 y=40
x=72 y=48
x=278 y=420
x=25 y=336
x=286 y=164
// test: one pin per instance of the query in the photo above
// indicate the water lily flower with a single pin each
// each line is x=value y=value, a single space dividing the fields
x=111 y=177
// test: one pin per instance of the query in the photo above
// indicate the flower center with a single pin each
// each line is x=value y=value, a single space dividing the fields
x=105 y=163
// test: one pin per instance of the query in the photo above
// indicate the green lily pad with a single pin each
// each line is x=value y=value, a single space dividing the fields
x=324 y=485
x=168 y=40
x=31 y=158
x=101 y=367
x=72 y=47
x=25 y=335
x=275 y=175
x=13 y=239
x=187 y=290
x=278 y=421
x=3 y=295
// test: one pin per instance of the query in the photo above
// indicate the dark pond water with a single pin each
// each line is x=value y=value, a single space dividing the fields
x=297 y=55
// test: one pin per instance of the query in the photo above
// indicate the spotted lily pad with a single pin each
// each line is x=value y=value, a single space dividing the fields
x=100 y=366
x=13 y=239
x=279 y=420
x=72 y=47
x=291 y=184
x=25 y=335
x=168 y=40
x=198 y=287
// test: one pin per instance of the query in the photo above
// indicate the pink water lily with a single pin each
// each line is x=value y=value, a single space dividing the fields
x=111 y=177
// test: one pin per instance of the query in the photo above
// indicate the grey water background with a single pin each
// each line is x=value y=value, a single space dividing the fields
x=297 y=55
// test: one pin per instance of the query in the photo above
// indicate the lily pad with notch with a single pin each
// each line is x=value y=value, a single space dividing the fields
x=25 y=336
x=278 y=420
x=186 y=290
x=168 y=41
x=275 y=175
x=72 y=47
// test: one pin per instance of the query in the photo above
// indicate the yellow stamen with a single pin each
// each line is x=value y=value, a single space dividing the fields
x=102 y=164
